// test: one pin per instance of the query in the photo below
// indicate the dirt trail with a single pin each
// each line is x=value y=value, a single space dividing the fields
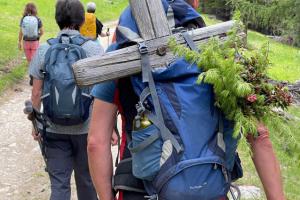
x=22 y=175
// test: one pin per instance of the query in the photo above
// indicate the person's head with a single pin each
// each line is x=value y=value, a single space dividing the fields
x=69 y=14
x=91 y=7
x=30 y=9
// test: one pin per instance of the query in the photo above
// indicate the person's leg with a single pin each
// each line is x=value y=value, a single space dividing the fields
x=59 y=165
x=26 y=48
x=84 y=184
x=34 y=45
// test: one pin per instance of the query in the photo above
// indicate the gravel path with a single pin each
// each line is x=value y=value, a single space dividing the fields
x=21 y=166
x=22 y=175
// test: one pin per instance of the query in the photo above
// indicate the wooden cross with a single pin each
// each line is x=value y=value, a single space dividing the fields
x=155 y=31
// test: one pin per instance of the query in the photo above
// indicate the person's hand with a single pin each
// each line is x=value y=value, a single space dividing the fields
x=107 y=33
x=262 y=129
x=20 y=45
x=114 y=138
x=36 y=135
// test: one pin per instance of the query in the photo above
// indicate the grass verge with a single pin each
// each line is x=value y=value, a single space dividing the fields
x=285 y=59
x=11 y=13
x=16 y=74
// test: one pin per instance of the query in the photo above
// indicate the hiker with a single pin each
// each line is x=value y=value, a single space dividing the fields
x=31 y=29
x=66 y=106
x=187 y=108
x=92 y=27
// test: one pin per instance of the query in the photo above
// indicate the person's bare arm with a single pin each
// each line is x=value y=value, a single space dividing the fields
x=36 y=101
x=20 y=39
x=36 y=93
x=266 y=164
x=99 y=149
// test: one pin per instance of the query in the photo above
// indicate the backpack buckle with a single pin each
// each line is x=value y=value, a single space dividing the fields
x=143 y=48
x=140 y=108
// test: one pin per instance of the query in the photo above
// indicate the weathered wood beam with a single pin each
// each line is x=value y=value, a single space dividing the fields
x=158 y=18
x=126 y=62
x=150 y=18
x=142 y=17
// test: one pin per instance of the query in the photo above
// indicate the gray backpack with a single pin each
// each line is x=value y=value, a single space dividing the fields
x=30 y=28
x=64 y=103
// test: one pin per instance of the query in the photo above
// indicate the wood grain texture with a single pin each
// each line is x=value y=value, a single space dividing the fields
x=126 y=62
x=158 y=18
x=140 y=12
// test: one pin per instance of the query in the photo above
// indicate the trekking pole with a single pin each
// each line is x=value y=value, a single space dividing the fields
x=107 y=37
x=33 y=115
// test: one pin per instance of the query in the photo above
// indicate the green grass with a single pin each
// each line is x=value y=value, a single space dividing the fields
x=285 y=60
x=16 y=74
x=11 y=13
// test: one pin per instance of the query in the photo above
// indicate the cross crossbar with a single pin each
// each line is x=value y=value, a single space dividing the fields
x=154 y=30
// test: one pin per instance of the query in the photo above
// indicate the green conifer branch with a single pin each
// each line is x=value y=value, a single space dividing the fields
x=240 y=82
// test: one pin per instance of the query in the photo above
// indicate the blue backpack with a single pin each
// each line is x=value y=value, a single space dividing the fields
x=186 y=149
x=64 y=103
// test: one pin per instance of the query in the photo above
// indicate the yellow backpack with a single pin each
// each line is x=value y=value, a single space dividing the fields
x=88 y=29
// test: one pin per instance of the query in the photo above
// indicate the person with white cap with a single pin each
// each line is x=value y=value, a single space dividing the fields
x=92 y=27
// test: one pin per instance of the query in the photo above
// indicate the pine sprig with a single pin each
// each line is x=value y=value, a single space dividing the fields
x=239 y=78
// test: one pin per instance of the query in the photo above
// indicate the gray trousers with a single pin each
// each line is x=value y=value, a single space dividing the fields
x=64 y=154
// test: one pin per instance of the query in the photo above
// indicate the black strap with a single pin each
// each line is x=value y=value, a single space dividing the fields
x=119 y=138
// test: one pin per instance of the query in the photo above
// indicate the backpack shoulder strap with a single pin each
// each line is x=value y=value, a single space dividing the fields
x=53 y=41
x=79 y=40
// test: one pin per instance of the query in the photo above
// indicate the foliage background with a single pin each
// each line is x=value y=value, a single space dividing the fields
x=274 y=17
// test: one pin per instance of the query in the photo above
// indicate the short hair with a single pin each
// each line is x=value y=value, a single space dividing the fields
x=30 y=9
x=69 y=14
x=90 y=7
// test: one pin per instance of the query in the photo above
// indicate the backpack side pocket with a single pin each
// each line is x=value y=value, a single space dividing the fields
x=146 y=150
